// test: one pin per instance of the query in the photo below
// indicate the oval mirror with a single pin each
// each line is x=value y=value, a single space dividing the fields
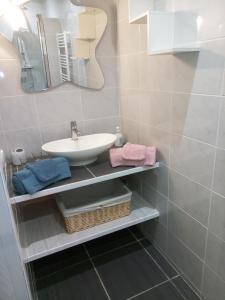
x=56 y=41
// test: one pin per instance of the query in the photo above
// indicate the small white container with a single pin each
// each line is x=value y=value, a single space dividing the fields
x=95 y=204
x=120 y=140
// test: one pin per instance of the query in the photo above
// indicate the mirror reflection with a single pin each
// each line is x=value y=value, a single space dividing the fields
x=56 y=41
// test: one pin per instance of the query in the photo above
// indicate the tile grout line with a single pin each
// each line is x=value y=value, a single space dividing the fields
x=211 y=198
x=161 y=269
x=64 y=268
x=177 y=289
x=179 y=271
x=114 y=249
x=90 y=171
x=96 y=271
x=179 y=207
x=179 y=274
x=143 y=292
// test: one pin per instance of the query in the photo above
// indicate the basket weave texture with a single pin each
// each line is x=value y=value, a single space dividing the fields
x=96 y=217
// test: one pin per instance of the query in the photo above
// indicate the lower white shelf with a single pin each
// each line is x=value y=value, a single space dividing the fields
x=43 y=233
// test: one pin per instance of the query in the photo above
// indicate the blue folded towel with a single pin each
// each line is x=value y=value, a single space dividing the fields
x=44 y=170
x=38 y=175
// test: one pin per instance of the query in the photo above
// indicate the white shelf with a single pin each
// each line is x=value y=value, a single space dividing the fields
x=175 y=50
x=168 y=32
x=81 y=176
x=138 y=9
x=140 y=19
x=42 y=232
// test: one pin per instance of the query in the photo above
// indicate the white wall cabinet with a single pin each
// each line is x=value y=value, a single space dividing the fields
x=167 y=31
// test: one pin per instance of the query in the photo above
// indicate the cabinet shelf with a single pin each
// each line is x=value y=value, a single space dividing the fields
x=168 y=32
x=81 y=176
x=42 y=232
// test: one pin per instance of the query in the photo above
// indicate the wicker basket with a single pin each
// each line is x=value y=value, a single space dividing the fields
x=94 y=205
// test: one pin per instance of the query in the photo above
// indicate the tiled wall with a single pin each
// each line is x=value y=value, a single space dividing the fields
x=29 y=120
x=177 y=103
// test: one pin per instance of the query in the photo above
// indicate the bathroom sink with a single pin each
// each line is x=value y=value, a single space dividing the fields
x=84 y=150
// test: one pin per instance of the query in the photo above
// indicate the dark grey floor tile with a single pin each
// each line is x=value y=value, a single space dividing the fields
x=137 y=232
x=58 y=261
x=128 y=271
x=109 y=242
x=104 y=168
x=163 y=263
x=79 y=282
x=184 y=289
x=165 y=291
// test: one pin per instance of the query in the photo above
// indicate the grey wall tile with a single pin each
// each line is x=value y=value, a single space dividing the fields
x=157 y=179
x=215 y=255
x=213 y=286
x=29 y=139
x=186 y=261
x=100 y=104
x=107 y=125
x=201 y=72
x=211 y=13
x=135 y=183
x=190 y=196
x=191 y=232
x=217 y=216
x=3 y=145
x=193 y=159
x=59 y=131
x=162 y=68
x=157 y=201
x=18 y=112
x=218 y=185
x=59 y=107
x=221 y=135
x=195 y=116
x=156 y=233
x=10 y=78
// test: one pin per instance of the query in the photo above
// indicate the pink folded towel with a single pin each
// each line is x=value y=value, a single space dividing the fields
x=116 y=158
x=134 y=152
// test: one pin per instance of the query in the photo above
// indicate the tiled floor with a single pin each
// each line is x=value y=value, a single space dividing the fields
x=123 y=265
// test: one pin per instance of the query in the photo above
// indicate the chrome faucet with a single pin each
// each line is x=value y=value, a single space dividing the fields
x=74 y=130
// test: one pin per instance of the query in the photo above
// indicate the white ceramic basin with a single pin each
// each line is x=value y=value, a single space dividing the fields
x=84 y=151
